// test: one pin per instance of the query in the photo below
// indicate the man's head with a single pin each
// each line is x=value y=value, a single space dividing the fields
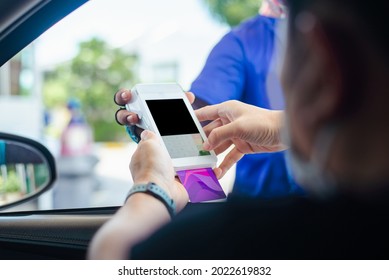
x=336 y=75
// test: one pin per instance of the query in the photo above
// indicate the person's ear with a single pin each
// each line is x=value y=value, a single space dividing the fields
x=320 y=77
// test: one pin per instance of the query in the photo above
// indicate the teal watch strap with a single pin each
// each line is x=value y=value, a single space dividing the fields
x=157 y=192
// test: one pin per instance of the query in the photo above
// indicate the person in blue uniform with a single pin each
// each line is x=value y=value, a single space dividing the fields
x=243 y=66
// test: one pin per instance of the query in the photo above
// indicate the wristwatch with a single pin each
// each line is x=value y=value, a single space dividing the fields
x=156 y=191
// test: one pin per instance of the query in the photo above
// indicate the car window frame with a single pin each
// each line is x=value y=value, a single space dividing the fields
x=25 y=27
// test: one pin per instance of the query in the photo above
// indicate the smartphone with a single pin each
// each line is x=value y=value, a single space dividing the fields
x=165 y=109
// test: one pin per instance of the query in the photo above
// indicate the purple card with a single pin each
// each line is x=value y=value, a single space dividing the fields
x=201 y=184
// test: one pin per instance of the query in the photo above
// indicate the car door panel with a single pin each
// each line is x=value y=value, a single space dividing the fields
x=49 y=234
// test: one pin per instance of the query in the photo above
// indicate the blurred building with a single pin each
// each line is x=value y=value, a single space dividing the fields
x=21 y=105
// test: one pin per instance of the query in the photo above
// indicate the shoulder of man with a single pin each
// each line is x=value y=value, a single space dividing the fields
x=255 y=23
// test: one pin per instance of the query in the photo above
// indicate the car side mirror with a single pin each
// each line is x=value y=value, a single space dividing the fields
x=27 y=169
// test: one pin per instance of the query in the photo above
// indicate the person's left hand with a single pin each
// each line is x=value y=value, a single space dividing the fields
x=152 y=163
x=142 y=214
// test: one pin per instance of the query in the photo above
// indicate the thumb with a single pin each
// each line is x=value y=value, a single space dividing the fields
x=147 y=134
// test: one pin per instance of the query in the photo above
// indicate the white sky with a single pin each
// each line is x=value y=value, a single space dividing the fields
x=121 y=22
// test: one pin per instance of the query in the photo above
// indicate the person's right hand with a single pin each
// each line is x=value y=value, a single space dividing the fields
x=249 y=129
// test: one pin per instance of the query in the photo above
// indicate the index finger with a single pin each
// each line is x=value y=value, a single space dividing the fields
x=122 y=97
x=208 y=113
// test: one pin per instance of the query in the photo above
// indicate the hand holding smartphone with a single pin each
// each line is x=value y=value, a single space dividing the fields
x=164 y=109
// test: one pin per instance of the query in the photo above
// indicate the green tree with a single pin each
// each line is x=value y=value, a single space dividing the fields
x=92 y=77
x=233 y=12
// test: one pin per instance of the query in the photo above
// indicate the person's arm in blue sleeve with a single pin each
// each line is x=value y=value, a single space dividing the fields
x=222 y=77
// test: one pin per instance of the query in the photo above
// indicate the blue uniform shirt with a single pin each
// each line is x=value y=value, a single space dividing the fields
x=240 y=67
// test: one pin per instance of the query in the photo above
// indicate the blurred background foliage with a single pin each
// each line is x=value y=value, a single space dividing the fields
x=232 y=12
x=12 y=184
x=93 y=76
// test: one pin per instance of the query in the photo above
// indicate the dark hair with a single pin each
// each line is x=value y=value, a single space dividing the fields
x=372 y=17
x=349 y=23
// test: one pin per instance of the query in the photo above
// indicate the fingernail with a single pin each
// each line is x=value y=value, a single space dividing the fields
x=124 y=95
x=144 y=135
x=206 y=146
x=130 y=119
